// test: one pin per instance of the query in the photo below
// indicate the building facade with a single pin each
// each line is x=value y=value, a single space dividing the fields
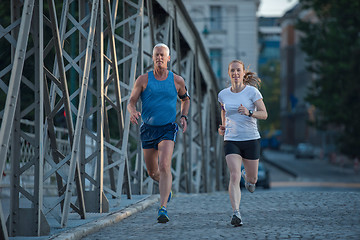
x=229 y=30
x=269 y=73
x=269 y=40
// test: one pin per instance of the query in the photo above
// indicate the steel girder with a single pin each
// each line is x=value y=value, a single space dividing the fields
x=85 y=62
x=17 y=35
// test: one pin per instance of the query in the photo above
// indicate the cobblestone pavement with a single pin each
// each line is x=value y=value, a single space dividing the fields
x=266 y=215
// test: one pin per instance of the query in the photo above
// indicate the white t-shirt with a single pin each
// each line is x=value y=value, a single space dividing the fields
x=240 y=127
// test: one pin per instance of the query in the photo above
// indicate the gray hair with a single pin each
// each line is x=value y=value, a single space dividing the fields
x=164 y=46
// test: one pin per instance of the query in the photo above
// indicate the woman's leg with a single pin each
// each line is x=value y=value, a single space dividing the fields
x=251 y=169
x=234 y=164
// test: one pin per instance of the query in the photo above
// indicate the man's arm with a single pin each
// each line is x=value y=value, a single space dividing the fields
x=185 y=100
x=134 y=97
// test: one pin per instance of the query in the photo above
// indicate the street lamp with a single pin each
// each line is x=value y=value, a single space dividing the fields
x=205 y=32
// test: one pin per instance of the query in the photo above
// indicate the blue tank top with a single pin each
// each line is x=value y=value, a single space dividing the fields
x=159 y=100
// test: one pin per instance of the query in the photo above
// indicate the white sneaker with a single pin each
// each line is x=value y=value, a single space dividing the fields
x=249 y=186
x=236 y=219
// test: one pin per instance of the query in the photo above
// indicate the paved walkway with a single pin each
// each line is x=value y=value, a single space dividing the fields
x=266 y=215
x=77 y=228
x=278 y=213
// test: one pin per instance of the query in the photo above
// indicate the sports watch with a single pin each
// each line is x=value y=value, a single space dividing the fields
x=184 y=116
x=250 y=113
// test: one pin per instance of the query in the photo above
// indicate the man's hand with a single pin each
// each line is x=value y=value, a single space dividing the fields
x=183 y=123
x=134 y=116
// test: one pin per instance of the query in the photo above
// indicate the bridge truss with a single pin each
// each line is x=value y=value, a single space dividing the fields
x=71 y=65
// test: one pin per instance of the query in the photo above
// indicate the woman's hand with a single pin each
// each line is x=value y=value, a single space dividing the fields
x=243 y=110
x=221 y=130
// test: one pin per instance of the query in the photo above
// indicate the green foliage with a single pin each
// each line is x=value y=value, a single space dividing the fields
x=270 y=89
x=332 y=45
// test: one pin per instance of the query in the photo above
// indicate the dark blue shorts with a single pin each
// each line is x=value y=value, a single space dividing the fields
x=246 y=149
x=151 y=136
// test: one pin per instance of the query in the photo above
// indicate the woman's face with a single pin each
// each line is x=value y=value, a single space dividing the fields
x=236 y=72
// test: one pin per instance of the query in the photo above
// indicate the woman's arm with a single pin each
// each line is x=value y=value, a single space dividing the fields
x=221 y=129
x=260 y=112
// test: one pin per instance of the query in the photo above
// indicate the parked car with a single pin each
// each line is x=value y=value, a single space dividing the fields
x=271 y=139
x=304 y=150
x=263 y=177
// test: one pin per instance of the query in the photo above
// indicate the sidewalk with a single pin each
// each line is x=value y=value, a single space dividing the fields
x=280 y=213
x=314 y=169
x=266 y=215
x=77 y=228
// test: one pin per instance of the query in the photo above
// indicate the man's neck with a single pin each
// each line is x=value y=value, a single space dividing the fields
x=160 y=73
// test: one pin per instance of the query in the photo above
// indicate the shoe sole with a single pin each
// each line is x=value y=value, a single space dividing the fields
x=163 y=219
x=249 y=187
x=237 y=224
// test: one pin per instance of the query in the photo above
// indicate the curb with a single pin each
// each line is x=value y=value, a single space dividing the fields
x=113 y=217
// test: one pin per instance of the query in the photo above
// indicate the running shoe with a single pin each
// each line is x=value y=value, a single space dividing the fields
x=170 y=196
x=236 y=219
x=162 y=215
x=249 y=186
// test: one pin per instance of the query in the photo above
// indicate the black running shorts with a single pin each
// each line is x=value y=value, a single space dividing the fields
x=246 y=149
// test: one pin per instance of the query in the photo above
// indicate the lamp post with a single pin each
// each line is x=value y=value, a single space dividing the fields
x=205 y=31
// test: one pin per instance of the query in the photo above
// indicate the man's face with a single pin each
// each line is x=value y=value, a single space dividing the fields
x=160 y=57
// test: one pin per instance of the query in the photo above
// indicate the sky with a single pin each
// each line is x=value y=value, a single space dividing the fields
x=275 y=8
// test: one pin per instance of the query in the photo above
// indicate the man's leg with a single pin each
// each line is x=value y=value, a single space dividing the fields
x=151 y=161
x=166 y=148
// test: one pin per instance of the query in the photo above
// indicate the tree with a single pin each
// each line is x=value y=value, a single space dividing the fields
x=270 y=89
x=332 y=44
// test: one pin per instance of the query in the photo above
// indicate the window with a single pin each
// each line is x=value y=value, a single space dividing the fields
x=215 y=18
x=215 y=59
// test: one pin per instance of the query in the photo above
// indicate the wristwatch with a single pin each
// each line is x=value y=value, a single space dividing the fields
x=184 y=116
x=250 y=113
